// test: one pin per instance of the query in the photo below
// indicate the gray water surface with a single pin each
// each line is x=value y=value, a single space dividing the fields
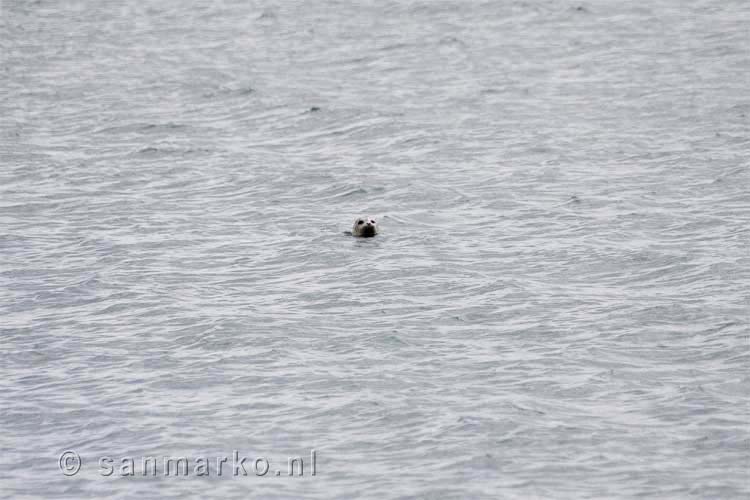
x=557 y=306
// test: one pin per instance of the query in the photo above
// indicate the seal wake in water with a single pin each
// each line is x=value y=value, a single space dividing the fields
x=365 y=227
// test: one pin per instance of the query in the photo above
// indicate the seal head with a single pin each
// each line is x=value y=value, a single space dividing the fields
x=365 y=227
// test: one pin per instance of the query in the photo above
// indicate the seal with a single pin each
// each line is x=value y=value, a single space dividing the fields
x=365 y=227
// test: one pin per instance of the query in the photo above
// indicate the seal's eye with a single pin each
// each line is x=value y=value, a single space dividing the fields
x=360 y=222
x=372 y=221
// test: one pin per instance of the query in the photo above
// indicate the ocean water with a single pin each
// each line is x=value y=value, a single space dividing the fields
x=557 y=305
